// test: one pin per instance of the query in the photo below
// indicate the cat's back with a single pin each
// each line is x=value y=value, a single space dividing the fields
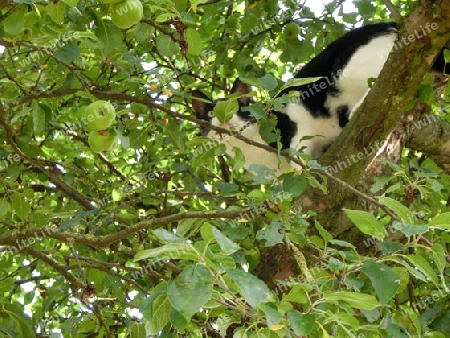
x=338 y=53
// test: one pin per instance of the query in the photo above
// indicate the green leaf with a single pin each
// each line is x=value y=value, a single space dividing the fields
x=190 y=290
x=294 y=184
x=252 y=289
x=297 y=294
x=384 y=280
x=56 y=11
x=20 y=205
x=207 y=232
x=38 y=119
x=225 y=320
x=138 y=330
x=167 y=236
x=143 y=32
x=178 y=320
x=446 y=53
x=170 y=251
x=441 y=221
x=267 y=82
x=410 y=230
x=296 y=82
x=206 y=154
x=225 y=110
x=164 y=17
x=258 y=195
x=367 y=223
x=194 y=40
x=225 y=187
x=354 y=299
x=365 y=7
x=109 y=38
x=173 y=131
x=271 y=234
x=422 y=264
x=146 y=306
x=402 y=211
x=195 y=3
x=403 y=276
x=302 y=324
x=256 y=110
x=160 y=314
x=226 y=244
x=272 y=315
x=22 y=324
x=439 y=256
x=267 y=130
x=426 y=93
x=6 y=285
x=346 y=319
x=138 y=138
x=4 y=207
x=166 y=47
x=71 y=3
x=312 y=180
x=68 y=53
x=323 y=232
x=14 y=24
x=189 y=226
x=261 y=174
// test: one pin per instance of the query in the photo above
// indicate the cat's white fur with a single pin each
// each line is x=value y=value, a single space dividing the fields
x=353 y=86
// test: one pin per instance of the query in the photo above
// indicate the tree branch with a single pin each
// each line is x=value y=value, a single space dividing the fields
x=396 y=85
x=394 y=11
x=83 y=200
x=60 y=268
x=380 y=112
x=12 y=240
x=431 y=135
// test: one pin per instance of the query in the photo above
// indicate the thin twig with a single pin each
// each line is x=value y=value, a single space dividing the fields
x=394 y=11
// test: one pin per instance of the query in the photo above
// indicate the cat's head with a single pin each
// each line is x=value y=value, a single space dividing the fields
x=204 y=107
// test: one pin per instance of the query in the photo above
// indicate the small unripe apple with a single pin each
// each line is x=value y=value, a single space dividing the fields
x=99 y=115
x=127 y=13
x=291 y=31
x=103 y=140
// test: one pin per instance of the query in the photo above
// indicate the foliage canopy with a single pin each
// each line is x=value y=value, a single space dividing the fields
x=159 y=238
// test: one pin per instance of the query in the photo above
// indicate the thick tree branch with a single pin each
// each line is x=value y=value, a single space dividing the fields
x=431 y=135
x=60 y=268
x=13 y=240
x=378 y=115
x=395 y=87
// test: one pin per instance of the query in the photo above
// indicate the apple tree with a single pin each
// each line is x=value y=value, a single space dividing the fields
x=119 y=219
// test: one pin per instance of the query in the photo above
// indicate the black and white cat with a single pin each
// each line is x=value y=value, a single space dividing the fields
x=324 y=107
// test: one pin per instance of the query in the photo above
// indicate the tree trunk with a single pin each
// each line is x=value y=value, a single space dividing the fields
x=352 y=154
x=383 y=108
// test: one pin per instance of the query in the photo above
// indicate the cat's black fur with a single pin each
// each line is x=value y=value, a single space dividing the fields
x=330 y=62
x=324 y=106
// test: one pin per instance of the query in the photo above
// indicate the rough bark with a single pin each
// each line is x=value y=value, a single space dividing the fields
x=432 y=139
x=383 y=108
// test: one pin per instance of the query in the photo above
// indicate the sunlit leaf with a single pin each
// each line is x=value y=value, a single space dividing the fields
x=190 y=290
x=252 y=289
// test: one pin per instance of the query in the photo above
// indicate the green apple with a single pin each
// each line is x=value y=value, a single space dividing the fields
x=103 y=140
x=291 y=31
x=99 y=115
x=126 y=13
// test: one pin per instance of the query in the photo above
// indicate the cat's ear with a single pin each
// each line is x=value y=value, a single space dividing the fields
x=243 y=89
x=199 y=104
